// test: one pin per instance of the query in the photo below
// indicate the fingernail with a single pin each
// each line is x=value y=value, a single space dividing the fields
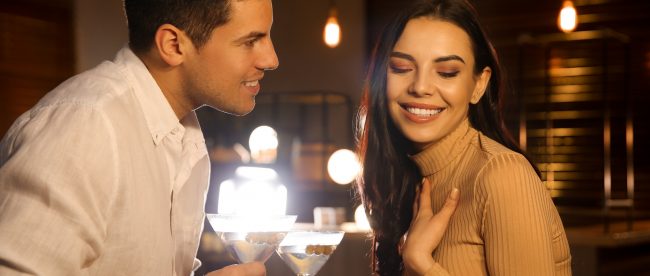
x=455 y=193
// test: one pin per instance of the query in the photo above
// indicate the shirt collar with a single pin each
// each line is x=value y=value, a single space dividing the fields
x=192 y=130
x=437 y=156
x=158 y=113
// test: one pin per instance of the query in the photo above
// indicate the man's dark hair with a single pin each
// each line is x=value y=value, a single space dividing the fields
x=197 y=18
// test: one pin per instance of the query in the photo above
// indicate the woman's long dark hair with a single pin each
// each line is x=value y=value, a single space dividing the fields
x=389 y=178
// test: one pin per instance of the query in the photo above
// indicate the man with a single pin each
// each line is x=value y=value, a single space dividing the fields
x=108 y=173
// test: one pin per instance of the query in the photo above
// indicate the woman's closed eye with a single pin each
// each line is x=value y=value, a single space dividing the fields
x=448 y=74
x=399 y=69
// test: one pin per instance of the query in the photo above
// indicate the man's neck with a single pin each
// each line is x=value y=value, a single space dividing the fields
x=169 y=82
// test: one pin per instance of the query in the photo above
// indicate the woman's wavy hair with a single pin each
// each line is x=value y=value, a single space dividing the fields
x=389 y=178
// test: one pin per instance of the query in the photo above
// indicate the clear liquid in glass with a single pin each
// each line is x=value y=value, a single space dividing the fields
x=252 y=246
x=306 y=259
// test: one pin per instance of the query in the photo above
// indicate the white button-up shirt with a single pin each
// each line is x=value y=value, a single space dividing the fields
x=101 y=178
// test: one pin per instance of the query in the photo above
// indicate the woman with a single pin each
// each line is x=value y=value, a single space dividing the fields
x=431 y=109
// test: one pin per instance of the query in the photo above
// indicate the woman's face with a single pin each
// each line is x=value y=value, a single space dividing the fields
x=431 y=80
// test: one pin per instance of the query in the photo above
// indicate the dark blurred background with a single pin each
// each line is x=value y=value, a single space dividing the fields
x=576 y=104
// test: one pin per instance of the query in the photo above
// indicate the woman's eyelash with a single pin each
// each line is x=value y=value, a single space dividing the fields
x=448 y=74
x=398 y=70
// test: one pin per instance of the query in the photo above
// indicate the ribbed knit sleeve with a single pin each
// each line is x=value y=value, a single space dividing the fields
x=436 y=270
x=517 y=212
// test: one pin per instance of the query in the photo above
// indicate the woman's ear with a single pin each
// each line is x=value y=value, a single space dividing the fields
x=481 y=84
x=169 y=43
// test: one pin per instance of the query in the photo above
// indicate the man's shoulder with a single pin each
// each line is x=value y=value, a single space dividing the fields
x=97 y=88
x=102 y=93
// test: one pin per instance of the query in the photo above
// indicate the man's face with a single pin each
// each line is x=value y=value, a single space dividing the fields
x=225 y=72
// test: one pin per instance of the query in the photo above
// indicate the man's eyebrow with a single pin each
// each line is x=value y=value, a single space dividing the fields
x=251 y=35
x=440 y=59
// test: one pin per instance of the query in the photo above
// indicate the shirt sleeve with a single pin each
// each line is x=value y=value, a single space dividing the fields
x=517 y=218
x=58 y=176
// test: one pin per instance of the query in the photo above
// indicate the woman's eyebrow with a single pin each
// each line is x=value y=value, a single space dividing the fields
x=402 y=55
x=437 y=60
x=448 y=58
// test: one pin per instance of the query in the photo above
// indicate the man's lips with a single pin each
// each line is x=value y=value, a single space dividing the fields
x=252 y=85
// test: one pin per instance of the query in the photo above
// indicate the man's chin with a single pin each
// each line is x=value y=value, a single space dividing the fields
x=236 y=111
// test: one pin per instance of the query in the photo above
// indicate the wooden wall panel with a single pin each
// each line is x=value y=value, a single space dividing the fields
x=36 y=54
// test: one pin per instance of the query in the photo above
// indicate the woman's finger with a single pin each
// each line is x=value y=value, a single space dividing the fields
x=416 y=202
x=425 y=198
x=448 y=209
x=427 y=229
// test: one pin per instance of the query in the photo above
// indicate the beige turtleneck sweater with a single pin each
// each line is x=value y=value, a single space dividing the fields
x=505 y=222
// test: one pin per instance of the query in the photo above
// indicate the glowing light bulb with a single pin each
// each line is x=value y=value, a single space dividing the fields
x=332 y=32
x=568 y=18
x=263 y=143
x=343 y=166
x=361 y=219
x=253 y=191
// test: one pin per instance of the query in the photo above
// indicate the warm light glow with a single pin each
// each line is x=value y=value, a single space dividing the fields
x=568 y=18
x=226 y=203
x=229 y=223
x=242 y=152
x=263 y=174
x=360 y=218
x=332 y=32
x=254 y=191
x=343 y=166
x=263 y=143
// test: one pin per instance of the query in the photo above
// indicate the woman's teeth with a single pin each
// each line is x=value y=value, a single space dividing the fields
x=423 y=112
x=251 y=83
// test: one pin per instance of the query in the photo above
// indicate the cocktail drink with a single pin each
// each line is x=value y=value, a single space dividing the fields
x=250 y=238
x=305 y=252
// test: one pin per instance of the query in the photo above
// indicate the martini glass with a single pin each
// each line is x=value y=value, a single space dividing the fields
x=305 y=252
x=251 y=238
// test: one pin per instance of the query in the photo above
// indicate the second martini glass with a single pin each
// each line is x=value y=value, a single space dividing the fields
x=305 y=252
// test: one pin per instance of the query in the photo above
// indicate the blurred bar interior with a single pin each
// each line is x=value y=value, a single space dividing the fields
x=577 y=105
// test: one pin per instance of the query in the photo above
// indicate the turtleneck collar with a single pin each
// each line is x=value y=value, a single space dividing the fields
x=437 y=156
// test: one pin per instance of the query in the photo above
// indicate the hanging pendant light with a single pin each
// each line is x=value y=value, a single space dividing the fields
x=332 y=31
x=568 y=18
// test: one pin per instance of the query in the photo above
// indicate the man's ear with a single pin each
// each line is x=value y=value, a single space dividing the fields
x=481 y=84
x=170 y=44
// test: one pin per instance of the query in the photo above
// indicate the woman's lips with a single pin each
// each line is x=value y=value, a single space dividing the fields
x=421 y=113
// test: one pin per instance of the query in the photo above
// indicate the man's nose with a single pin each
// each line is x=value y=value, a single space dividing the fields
x=269 y=59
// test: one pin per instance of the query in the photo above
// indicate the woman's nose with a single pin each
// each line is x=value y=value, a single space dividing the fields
x=422 y=85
